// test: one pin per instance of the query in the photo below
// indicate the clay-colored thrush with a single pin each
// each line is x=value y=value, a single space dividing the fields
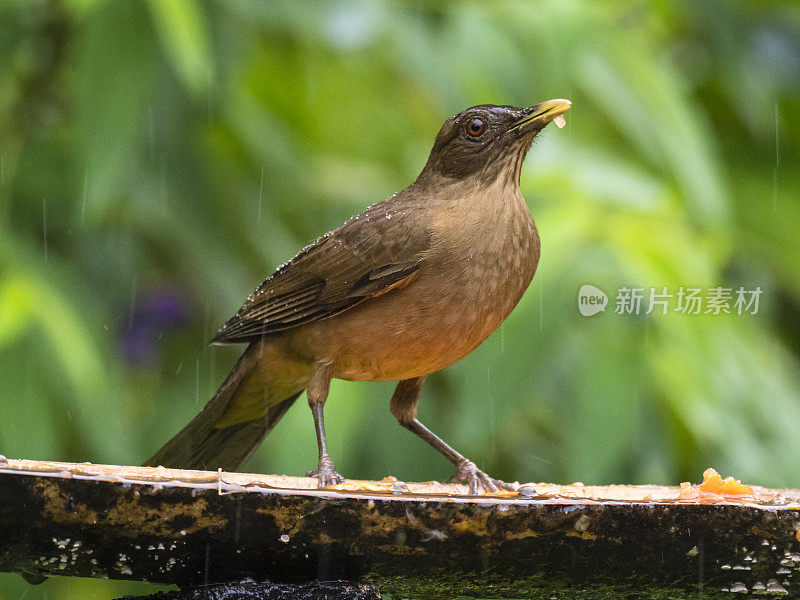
x=408 y=287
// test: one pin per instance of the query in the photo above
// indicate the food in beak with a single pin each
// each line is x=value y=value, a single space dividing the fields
x=560 y=121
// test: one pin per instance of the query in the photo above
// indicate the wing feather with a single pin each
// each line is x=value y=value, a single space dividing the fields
x=369 y=255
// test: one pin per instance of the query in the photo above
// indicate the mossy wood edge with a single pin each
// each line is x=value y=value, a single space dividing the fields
x=195 y=527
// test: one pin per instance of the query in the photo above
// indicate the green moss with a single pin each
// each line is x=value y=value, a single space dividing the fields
x=537 y=587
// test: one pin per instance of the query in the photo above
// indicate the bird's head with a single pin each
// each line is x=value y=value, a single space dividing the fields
x=488 y=141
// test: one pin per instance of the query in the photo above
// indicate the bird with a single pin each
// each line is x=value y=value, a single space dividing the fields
x=402 y=290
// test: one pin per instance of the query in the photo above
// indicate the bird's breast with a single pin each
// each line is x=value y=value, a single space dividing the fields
x=482 y=258
x=488 y=268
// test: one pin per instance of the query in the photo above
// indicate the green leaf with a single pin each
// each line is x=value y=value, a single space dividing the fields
x=115 y=67
x=185 y=37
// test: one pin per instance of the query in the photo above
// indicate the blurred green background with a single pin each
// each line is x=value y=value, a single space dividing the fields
x=159 y=159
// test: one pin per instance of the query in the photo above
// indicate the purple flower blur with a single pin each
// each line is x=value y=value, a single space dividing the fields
x=160 y=310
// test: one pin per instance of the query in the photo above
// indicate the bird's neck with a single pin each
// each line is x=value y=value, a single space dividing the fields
x=442 y=189
x=474 y=212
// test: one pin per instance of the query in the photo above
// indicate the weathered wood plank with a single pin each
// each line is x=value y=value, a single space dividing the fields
x=194 y=528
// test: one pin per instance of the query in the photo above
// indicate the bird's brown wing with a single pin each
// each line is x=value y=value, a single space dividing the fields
x=367 y=256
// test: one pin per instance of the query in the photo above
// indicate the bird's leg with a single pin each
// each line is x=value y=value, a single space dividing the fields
x=317 y=393
x=404 y=408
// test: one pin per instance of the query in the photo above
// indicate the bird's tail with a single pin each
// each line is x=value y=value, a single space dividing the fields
x=211 y=440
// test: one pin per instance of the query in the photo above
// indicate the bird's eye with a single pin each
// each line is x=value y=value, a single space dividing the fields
x=475 y=127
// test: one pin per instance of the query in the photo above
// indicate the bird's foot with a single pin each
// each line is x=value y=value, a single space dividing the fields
x=478 y=481
x=325 y=473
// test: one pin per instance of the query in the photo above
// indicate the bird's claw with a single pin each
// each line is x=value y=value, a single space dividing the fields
x=477 y=480
x=325 y=473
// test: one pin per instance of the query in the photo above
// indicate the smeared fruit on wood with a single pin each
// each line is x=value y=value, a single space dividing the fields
x=713 y=482
x=714 y=488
